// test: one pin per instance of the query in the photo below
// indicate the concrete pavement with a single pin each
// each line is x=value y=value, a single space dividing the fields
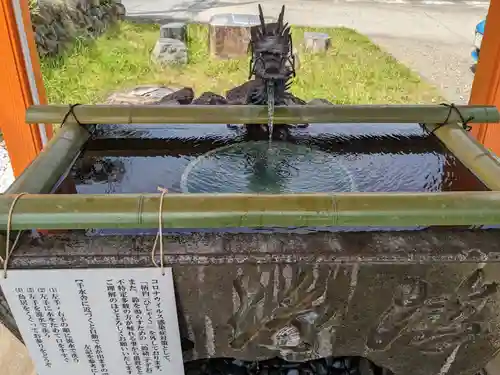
x=14 y=357
x=189 y=9
x=433 y=37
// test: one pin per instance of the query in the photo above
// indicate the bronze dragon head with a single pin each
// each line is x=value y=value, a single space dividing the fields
x=272 y=60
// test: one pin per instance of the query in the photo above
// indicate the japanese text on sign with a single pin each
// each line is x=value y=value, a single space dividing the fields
x=100 y=322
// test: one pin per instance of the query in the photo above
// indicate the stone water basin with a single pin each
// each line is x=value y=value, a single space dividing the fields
x=411 y=300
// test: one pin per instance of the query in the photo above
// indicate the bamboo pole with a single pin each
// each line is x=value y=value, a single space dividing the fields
x=470 y=152
x=53 y=162
x=251 y=114
x=251 y=210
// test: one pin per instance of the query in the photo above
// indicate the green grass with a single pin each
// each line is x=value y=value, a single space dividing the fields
x=353 y=71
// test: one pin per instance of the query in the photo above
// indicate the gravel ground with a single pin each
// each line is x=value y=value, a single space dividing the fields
x=446 y=66
x=6 y=174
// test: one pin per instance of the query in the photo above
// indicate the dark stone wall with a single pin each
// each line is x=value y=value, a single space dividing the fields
x=57 y=24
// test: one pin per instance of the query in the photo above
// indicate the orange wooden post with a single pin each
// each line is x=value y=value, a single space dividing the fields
x=21 y=85
x=486 y=85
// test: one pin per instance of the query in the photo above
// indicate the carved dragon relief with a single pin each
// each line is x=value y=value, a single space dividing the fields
x=316 y=305
x=435 y=324
x=299 y=314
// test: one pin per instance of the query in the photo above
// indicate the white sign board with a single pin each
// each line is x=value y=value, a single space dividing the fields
x=97 y=321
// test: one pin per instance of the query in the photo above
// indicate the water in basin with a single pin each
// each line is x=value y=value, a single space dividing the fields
x=263 y=167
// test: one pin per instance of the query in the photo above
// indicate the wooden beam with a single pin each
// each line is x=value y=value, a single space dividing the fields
x=21 y=85
x=485 y=88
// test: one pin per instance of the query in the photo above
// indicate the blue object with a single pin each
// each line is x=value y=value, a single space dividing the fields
x=475 y=55
x=479 y=30
x=480 y=27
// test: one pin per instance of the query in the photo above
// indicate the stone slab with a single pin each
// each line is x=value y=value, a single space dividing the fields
x=174 y=30
x=168 y=51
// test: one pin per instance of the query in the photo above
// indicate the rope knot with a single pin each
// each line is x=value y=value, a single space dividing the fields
x=159 y=233
x=463 y=121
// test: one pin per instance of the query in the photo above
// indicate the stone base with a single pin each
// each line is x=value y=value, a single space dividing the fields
x=229 y=34
x=316 y=42
x=175 y=30
x=411 y=302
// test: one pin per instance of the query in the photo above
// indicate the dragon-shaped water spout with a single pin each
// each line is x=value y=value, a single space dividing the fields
x=272 y=64
x=272 y=68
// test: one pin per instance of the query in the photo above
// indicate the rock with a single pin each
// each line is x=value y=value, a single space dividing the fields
x=70 y=28
x=316 y=42
x=151 y=94
x=38 y=18
x=174 y=30
x=121 y=12
x=210 y=98
x=170 y=51
x=51 y=32
x=96 y=12
x=98 y=26
x=52 y=46
x=183 y=96
x=291 y=99
x=40 y=30
x=57 y=24
x=38 y=38
x=88 y=24
x=60 y=31
x=42 y=49
x=239 y=94
x=106 y=19
x=320 y=102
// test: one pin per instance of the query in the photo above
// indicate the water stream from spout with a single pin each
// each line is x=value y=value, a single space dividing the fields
x=270 y=109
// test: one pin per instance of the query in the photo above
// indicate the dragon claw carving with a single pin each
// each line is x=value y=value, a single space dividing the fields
x=438 y=323
x=294 y=324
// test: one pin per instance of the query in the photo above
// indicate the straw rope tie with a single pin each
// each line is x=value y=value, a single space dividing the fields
x=71 y=111
x=8 y=247
x=463 y=121
x=159 y=234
